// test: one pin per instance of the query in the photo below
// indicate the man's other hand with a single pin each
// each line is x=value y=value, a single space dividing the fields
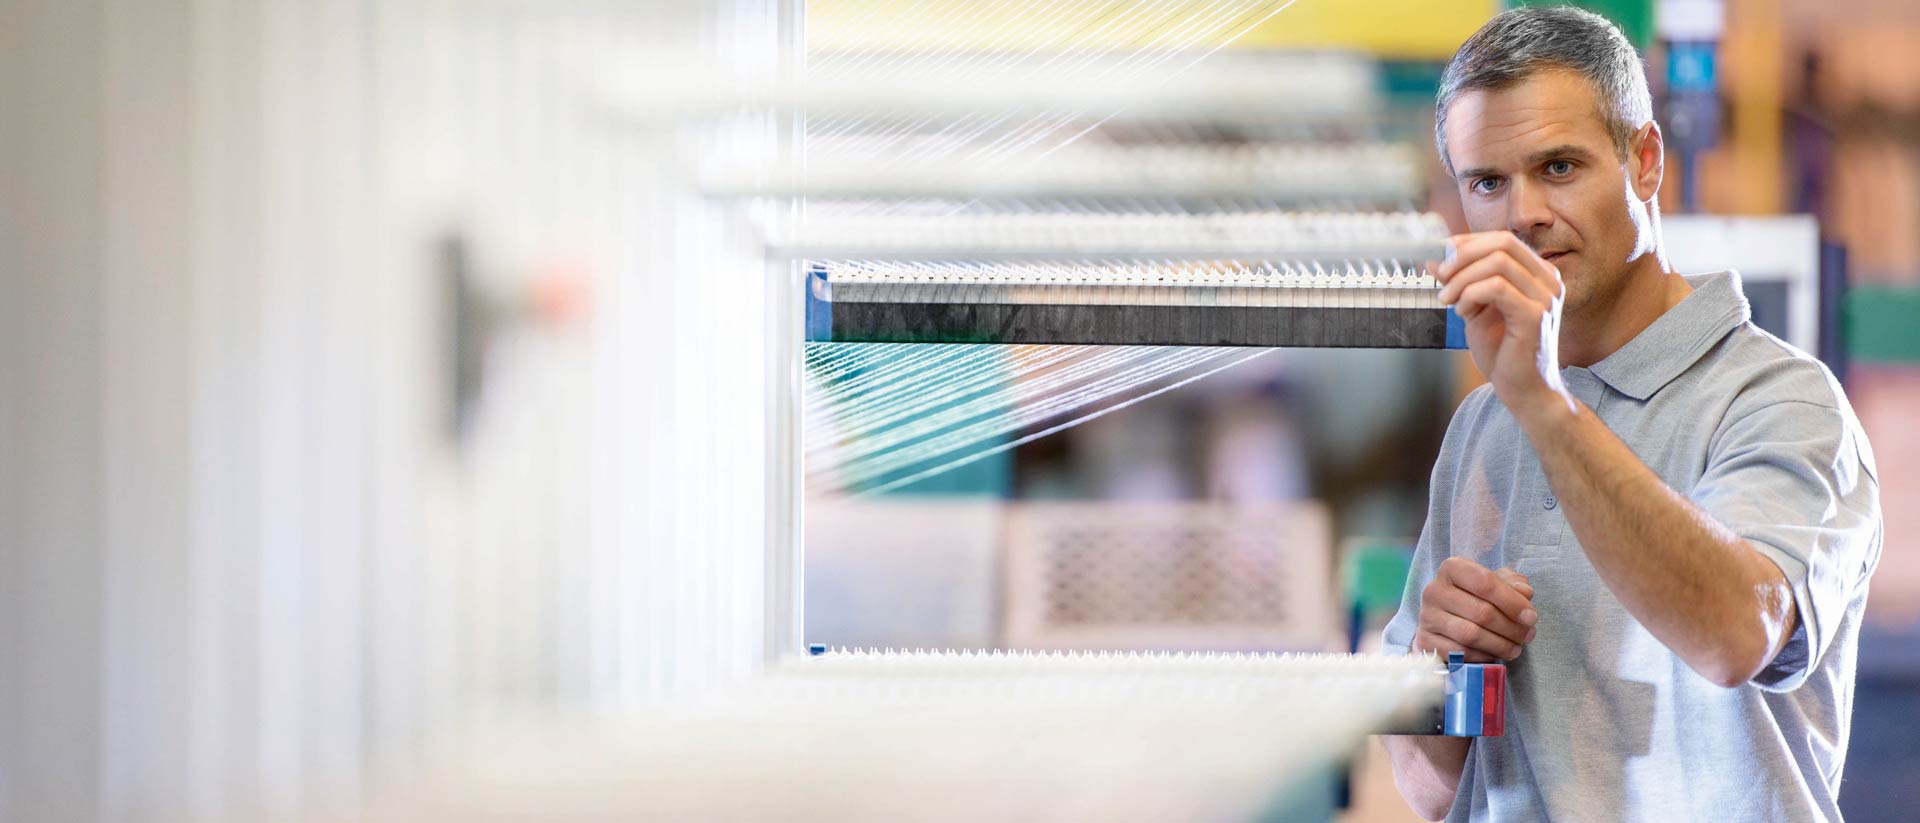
x=1469 y=608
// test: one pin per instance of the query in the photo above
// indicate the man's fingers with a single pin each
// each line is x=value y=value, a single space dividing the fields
x=1455 y=276
x=1481 y=582
x=1500 y=294
x=1498 y=264
x=1468 y=248
x=1517 y=580
x=1468 y=633
x=1458 y=604
x=1478 y=609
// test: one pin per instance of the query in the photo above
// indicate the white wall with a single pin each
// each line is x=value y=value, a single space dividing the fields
x=242 y=568
x=50 y=251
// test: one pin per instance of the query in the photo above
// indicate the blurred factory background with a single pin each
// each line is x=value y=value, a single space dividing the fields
x=375 y=375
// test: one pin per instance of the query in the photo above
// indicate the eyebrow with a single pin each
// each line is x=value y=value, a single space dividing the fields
x=1564 y=150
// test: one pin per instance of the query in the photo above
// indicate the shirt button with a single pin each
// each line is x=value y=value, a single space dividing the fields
x=1551 y=503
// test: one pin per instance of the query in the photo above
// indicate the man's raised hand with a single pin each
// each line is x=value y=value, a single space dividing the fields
x=1510 y=299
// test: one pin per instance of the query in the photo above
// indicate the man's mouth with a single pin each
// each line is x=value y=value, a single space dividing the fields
x=1554 y=256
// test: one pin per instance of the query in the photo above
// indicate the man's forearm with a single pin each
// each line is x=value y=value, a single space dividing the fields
x=1697 y=587
x=1426 y=770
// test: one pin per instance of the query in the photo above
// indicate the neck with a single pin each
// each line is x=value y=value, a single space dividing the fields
x=1647 y=290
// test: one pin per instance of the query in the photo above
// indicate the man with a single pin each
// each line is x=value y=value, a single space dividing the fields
x=1663 y=517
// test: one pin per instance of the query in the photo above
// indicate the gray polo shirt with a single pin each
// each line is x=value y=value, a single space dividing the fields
x=1604 y=722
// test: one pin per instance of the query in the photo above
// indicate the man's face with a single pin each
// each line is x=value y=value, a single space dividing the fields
x=1536 y=159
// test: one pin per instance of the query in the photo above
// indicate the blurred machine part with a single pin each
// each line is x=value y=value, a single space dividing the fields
x=963 y=736
x=1690 y=104
x=905 y=570
x=1004 y=90
x=1168 y=575
x=1292 y=173
x=1780 y=266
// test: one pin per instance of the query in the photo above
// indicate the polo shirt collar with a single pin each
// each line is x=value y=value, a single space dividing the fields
x=1679 y=338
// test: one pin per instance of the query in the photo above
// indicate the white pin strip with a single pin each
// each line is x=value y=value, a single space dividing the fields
x=1402 y=236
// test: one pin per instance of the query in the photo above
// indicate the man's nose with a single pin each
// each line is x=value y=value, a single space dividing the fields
x=1527 y=210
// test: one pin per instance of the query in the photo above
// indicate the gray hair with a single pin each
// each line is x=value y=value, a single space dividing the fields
x=1518 y=43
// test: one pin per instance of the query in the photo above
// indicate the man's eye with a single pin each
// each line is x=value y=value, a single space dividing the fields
x=1486 y=185
x=1560 y=168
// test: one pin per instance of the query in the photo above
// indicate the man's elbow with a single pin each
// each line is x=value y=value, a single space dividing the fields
x=1740 y=655
x=1725 y=675
x=1434 y=810
x=1430 y=802
x=1750 y=642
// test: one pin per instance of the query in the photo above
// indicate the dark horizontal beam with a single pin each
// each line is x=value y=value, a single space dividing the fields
x=1146 y=325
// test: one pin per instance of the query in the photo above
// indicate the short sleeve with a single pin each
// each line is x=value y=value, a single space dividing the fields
x=1795 y=480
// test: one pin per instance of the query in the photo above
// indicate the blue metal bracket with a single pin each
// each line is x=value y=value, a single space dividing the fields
x=1476 y=698
x=1456 y=329
x=819 y=294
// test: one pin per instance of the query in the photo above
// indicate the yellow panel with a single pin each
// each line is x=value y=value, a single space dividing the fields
x=1429 y=29
x=1424 y=29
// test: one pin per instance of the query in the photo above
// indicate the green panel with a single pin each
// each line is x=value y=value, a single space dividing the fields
x=1883 y=324
x=1376 y=575
x=1413 y=81
x=1634 y=17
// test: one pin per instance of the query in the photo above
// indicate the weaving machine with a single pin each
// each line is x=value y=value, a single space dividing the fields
x=637 y=653
x=1206 y=736
x=956 y=294
x=1094 y=281
x=1079 y=279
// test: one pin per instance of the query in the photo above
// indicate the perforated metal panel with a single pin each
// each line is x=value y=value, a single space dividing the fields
x=1169 y=575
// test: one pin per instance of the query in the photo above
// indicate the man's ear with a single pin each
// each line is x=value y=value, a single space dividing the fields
x=1647 y=161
